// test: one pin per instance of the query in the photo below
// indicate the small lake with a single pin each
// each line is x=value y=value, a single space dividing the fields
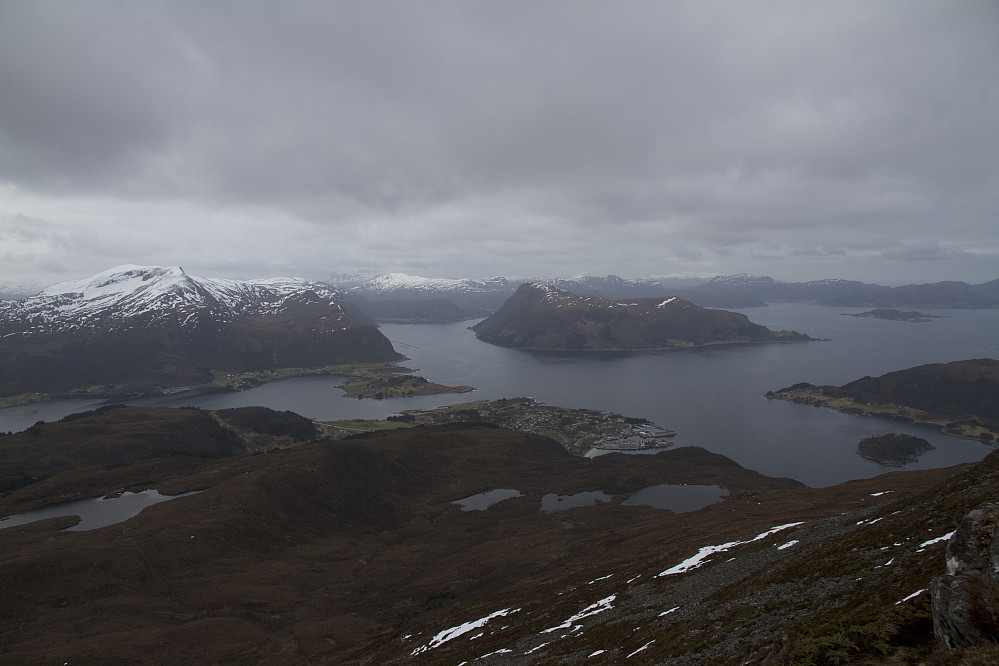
x=94 y=512
x=483 y=501
x=678 y=498
x=553 y=502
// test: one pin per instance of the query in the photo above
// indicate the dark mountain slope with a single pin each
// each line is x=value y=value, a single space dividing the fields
x=541 y=316
x=960 y=396
x=111 y=436
x=959 y=387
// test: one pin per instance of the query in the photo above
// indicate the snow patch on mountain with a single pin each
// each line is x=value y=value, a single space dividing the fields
x=129 y=293
x=740 y=279
x=393 y=282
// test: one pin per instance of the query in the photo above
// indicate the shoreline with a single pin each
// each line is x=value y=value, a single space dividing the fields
x=619 y=350
x=353 y=373
x=946 y=424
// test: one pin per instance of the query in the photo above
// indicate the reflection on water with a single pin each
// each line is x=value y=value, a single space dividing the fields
x=483 y=501
x=94 y=512
x=678 y=498
x=553 y=502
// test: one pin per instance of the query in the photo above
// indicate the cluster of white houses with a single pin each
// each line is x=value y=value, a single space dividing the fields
x=637 y=437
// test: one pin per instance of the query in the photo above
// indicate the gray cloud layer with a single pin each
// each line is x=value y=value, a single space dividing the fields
x=798 y=139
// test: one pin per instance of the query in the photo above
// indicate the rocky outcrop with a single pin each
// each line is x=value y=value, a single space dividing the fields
x=966 y=599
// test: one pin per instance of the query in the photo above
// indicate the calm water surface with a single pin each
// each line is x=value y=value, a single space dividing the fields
x=712 y=397
x=94 y=512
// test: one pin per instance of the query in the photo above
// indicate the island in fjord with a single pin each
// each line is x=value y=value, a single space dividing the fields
x=893 y=449
x=542 y=316
x=894 y=314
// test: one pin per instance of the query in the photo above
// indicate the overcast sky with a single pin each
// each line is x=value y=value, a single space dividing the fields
x=801 y=140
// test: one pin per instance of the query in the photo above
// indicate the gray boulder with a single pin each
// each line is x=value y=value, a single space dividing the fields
x=966 y=599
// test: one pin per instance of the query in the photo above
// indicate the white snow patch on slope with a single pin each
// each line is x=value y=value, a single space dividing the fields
x=705 y=552
x=460 y=630
x=926 y=544
x=911 y=596
x=640 y=649
x=598 y=607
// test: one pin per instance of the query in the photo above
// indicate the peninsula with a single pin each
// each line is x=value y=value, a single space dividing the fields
x=580 y=431
x=961 y=397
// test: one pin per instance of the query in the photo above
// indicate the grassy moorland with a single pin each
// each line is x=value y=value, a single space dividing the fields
x=353 y=552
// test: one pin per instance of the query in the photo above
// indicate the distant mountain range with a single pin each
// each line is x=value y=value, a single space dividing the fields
x=477 y=297
x=733 y=291
x=543 y=316
x=133 y=328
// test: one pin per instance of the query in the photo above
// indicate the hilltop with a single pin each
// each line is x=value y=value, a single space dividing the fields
x=543 y=316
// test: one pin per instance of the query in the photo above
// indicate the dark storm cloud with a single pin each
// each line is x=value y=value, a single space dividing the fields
x=774 y=129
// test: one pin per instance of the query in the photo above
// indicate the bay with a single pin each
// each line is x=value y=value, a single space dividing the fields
x=713 y=397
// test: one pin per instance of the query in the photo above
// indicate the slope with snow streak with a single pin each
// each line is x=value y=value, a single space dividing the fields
x=653 y=618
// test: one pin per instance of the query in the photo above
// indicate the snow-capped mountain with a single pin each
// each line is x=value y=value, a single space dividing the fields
x=135 y=328
x=742 y=280
x=488 y=294
x=473 y=294
x=397 y=281
x=124 y=295
x=394 y=283
x=725 y=291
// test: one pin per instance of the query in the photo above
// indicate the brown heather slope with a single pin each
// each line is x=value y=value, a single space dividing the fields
x=352 y=552
x=110 y=436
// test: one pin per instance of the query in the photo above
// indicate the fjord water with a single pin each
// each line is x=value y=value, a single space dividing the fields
x=712 y=397
x=715 y=397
